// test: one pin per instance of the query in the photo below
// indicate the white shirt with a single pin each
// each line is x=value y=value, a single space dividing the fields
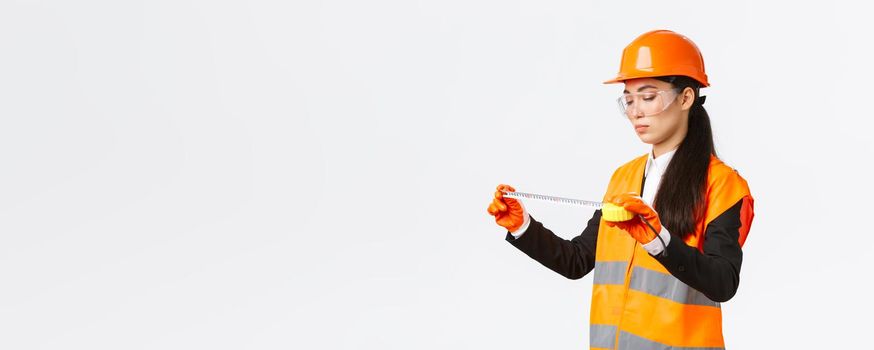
x=655 y=168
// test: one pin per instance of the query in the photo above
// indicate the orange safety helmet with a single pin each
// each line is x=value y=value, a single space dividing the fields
x=660 y=53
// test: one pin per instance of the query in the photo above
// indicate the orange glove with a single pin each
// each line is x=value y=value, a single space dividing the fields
x=508 y=212
x=636 y=227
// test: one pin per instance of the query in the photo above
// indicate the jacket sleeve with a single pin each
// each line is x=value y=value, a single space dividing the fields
x=571 y=258
x=716 y=271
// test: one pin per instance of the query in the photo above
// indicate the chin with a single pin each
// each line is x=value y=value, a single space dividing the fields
x=647 y=139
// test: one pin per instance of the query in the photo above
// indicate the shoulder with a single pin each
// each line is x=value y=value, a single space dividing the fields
x=721 y=173
x=725 y=185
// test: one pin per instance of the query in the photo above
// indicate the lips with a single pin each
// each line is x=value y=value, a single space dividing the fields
x=640 y=127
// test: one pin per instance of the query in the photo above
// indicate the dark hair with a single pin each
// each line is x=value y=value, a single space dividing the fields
x=680 y=199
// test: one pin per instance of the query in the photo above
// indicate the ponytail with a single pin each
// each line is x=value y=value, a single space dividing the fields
x=680 y=199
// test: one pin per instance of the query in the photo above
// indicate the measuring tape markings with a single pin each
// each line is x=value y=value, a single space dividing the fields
x=609 y=211
x=562 y=200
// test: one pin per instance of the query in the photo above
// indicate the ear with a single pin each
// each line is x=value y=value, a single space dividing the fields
x=687 y=98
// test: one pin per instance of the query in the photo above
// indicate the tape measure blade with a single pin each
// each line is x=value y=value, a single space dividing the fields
x=554 y=199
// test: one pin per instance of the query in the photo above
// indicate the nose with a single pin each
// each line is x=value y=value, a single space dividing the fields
x=634 y=113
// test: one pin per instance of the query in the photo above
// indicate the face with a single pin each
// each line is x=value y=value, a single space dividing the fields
x=667 y=126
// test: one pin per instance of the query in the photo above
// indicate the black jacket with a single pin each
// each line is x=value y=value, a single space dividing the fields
x=716 y=272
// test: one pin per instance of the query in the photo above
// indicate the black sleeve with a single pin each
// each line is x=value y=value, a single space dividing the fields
x=716 y=272
x=572 y=259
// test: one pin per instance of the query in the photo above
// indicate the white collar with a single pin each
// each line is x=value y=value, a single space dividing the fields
x=661 y=162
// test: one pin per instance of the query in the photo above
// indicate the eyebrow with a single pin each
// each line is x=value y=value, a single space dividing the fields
x=641 y=88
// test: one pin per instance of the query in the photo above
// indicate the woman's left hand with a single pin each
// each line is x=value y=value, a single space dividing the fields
x=632 y=202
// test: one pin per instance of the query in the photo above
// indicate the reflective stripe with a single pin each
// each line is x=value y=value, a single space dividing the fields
x=610 y=272
x=668 y=287
x=602 y=336
x=628 y=341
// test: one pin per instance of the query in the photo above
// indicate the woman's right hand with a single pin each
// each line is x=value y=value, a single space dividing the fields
x=508 y=212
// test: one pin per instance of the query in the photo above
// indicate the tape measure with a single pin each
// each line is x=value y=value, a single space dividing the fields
x=609 y=211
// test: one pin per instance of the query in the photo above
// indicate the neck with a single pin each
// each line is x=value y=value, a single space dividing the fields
x=670 y=144
x=660 y=149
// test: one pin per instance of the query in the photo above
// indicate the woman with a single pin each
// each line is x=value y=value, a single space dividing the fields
x=657 y=284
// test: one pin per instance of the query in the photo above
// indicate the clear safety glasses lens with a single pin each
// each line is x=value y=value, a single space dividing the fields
x=645 y=103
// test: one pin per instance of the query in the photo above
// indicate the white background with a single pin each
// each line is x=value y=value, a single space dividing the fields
x=295 y=175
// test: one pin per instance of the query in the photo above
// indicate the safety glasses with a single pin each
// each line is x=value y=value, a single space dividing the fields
x=646 y=103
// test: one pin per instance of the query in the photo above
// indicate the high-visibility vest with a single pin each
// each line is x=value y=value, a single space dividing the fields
x=636 y=303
